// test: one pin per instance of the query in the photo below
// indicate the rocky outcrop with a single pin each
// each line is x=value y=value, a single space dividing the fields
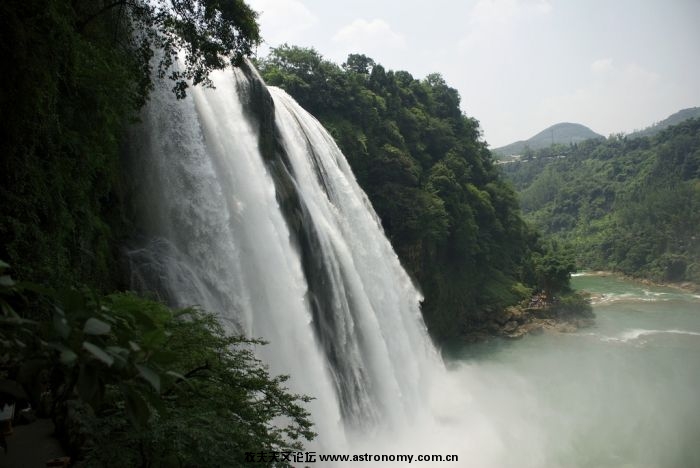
x=541 y=316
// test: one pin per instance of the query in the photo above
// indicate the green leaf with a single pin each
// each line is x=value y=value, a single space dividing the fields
x=60 y=324
x=172 y=377
x=117 y=351
x=15 y=320
x=7 y=309
x=95 y=326
x=154 y=339
x=108 y=318
x=177 y=375
x=6 y=281
x=98 y=353
x=68 y=357
x=121 y=356
x=150 y=376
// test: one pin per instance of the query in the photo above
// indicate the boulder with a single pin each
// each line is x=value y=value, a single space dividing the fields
x=511 y=326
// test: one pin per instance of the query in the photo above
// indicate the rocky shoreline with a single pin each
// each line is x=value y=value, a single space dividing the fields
x=540 y=316
x=544 y=316
x=685 y=286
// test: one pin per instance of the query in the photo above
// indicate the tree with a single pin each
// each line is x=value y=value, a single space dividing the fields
x=359 y=63
x=553 y=271
x=210 y=34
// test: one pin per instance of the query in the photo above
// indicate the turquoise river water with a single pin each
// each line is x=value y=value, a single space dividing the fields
x=624 y=393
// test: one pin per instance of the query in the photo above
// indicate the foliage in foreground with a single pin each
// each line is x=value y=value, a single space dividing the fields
x=143 y=384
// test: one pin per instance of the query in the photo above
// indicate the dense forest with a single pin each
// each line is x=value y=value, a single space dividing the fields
x=454 y=222
x=624 y=204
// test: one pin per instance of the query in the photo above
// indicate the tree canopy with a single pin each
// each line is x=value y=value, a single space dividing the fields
x=206 y=34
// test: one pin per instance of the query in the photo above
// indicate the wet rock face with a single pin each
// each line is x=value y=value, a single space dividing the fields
x=516 y=322
x=510 y=326
x=509 y=314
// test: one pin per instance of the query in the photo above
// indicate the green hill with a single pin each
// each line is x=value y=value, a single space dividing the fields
x=673 y=119
x=562 y=134
x=624 y=204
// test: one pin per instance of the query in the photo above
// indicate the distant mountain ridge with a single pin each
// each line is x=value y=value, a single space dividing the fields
x=562 y=133
x=673 y=119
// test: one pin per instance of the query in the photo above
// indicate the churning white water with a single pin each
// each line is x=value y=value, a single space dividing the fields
x=251 y=211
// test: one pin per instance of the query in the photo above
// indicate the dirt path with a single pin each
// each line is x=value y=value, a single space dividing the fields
x=31 y=446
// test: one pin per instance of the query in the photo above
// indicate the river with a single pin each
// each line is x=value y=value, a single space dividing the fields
x=625 y=393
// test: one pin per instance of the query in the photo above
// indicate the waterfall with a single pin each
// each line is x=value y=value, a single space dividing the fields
x=251 y=211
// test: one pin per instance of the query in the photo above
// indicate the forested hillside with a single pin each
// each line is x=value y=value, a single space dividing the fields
x=452 y=219
x=673 y=119
x=625 y=204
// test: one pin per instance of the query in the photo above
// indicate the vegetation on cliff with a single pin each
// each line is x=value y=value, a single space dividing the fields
x=623 y=204
x=454 y=222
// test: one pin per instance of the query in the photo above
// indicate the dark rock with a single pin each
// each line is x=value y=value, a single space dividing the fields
x=501 y=317
x=533 y=328
x=511 y=326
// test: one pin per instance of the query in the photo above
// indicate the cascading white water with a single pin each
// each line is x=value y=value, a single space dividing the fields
x=341 y=315
x=378 y=327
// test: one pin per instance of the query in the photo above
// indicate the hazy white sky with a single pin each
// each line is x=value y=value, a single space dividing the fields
x=519 y=65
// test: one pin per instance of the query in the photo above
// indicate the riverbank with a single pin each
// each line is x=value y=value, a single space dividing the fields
x=565 y=314
x=684 y=286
